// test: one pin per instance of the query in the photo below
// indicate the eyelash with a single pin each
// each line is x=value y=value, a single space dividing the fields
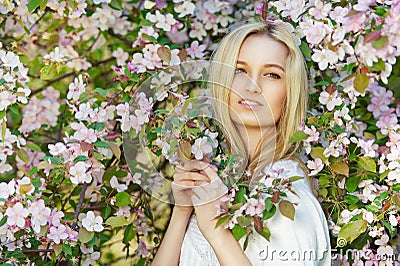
x=271 y=74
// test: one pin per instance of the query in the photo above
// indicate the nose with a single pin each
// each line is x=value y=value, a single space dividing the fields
x=252 y=86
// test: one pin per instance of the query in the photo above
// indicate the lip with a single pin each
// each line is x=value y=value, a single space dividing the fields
x=252 y=104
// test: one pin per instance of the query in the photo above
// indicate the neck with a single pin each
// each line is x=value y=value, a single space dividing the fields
x=252 y=136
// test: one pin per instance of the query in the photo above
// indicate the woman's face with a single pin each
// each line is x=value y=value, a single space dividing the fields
x=258 y=90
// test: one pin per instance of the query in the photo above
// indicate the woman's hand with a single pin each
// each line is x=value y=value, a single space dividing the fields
x=185 y=179
x=206 y=197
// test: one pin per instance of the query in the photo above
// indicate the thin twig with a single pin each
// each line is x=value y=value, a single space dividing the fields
x=36 y=250
x=50 y=82
x=79 y=206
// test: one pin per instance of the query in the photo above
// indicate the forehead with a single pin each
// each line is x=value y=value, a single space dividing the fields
x=261 y=49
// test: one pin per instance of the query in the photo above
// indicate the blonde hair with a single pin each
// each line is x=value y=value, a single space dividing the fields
x=223 y=63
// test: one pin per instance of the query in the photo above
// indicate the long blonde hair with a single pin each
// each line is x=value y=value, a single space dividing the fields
x=223 y=63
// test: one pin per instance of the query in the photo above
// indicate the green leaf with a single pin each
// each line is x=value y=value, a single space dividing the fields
x=392 y=231
x=33 y=146
x=298 y=136
x=318 y=152
x=240 y=195
x=266 y=233
x=352 y=183
x=243 y=221
x=23 y=155
x=270 y=209
x=81 y=158
x=67 y=249
x=361 y=82
x=43 y=5
x=33 y=170
x=351 y=199
x=84 y=235
x=340 y=168
x=3 y=220
x=238 y=232
x=101 y=144
x=102 y=92
x=33 y=4
x=105 y=212
x=379 y=43
x=367 y=163
x=129 y=234
x=295 y=178
x=116 y=221
x=351 y=231
x=222 y=220
x=48 y=72
x=305 y=49
x=36 y=182
x=116 y=5
x=287 y=209
x=123 y=199
x=2 y=114
x=396 y=187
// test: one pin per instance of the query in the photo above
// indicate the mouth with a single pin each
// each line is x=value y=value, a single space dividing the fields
x=250 y=104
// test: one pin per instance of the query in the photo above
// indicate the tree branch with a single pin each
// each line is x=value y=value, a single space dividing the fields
x=50 y=82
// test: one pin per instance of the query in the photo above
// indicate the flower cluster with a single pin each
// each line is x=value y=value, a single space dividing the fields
x=247 y=208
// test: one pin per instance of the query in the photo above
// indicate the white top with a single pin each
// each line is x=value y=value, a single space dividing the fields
x=304 y=241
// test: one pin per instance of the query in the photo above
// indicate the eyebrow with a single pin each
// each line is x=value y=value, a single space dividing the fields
x=266 y=65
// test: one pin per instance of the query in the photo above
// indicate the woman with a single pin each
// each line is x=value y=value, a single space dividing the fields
x=264 y=71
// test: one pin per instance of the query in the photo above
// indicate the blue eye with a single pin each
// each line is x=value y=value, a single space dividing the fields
x=273 y=75
x=239 y=70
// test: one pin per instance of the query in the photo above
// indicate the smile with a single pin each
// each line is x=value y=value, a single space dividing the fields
x=250 y=104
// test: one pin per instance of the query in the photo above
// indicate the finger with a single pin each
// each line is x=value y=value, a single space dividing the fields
x=193 y=165
x=211 y=172
x=183 y=184
x=192 y=176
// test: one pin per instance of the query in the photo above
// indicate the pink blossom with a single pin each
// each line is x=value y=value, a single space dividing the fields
x=201 y=147
x=142 y=249
x=7 y=189
x=338 y=13
x=320 y=10
x=354 y=22
x=316 y=33
x=119 y=187
x=76 y=88
x=92 y=259
x=330 y=100
x=312 y=133
x=316 y=166
x=142 y=229
x=186 y=8
x=58 y=233
x=16 y=215
x=254 y=206
x=195 y=50
x=55 y=217
x=363 y=5
x=386 y=121
x=92 y=222
x=79 y=174
x=161 y=21
x=40 y=214
x=56 y=149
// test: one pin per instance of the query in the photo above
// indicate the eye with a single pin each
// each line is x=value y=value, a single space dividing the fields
x=240 y=70
x=273 y=75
